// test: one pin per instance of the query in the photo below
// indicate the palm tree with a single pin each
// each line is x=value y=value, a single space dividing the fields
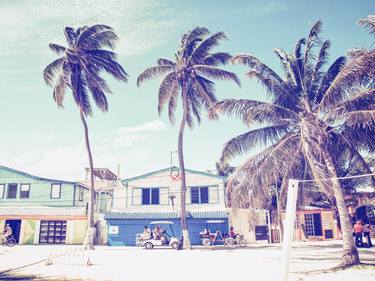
x=302 y=125
x=79 y=69
x=189 y=76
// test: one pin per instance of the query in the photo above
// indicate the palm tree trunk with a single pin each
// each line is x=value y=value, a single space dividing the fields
x=90 y=232
x=350 y=253
x=185 y=232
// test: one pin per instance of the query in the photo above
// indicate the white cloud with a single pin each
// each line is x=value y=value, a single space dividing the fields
x=129 y=135
x=28 y=26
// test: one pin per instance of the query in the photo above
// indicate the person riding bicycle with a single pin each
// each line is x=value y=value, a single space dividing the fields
x=232 y=234
x=6 y=232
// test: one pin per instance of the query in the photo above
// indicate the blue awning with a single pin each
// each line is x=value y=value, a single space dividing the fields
x=146 y=215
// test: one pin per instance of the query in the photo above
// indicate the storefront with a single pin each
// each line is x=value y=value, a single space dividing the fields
x=45 y=225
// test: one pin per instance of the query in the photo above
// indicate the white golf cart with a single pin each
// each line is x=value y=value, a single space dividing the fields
x=168 y=236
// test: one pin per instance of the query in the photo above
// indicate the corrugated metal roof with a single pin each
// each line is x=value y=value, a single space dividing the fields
x=208 y=214
x=42 y=211
x=145 y=215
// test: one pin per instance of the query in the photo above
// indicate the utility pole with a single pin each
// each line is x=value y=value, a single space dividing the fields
x=173 y=151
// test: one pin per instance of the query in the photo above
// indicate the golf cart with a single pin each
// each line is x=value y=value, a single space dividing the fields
x=209 y=238
x=167 y=236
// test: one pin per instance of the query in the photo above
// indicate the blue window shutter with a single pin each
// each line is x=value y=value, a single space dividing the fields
x=145 y=196
x=195 y=195
x=204 y=195
x=155 y=196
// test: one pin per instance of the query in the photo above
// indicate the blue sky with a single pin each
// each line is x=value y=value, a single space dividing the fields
x=39 y=138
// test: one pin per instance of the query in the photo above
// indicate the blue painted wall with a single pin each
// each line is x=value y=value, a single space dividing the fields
x=129 y=228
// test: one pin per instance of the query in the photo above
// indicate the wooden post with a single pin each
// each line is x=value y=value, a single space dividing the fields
x=290 y=215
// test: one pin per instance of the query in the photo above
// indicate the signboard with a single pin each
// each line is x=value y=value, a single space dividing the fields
x=261 y=232
x=113 y=229
x=328 y=233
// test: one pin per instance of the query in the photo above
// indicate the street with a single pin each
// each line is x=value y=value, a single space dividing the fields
x=259 y=262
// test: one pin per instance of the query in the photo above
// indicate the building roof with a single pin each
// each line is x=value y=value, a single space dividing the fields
x=159 y=215
x=103 y=173
x=36 y=177
x=173 y=169
x=42 y=211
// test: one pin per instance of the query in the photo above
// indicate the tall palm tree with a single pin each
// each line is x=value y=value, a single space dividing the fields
x=302 y=125
x=79 y=69
x=189 y=76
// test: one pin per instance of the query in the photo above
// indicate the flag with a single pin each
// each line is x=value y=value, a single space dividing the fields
x=175 y=177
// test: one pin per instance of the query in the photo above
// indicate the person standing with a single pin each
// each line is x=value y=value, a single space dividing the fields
x=358 y=231
x=367 y=234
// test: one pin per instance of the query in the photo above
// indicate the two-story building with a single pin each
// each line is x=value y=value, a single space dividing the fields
x=156 y=196
x=42 y=210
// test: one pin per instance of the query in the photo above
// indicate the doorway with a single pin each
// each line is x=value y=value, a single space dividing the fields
x=16 y=228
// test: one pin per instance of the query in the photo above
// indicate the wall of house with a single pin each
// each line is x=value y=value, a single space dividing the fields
x=81 y=201
x=130 y=197
x=40 y=191
x=328 y=224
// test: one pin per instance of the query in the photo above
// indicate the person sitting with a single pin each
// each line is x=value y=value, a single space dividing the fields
x=358 y=231
x=205 y=232
x=232 y=234
x=146 y=235
x=156 y=233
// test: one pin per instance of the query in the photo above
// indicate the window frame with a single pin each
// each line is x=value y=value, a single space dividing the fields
x=51 y=193
x=14 y=184
x=2 y=194
x=150 y=191
x=80 y=194
x=28 y=191
x=199 y=189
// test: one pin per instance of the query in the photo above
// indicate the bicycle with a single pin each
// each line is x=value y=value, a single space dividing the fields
x=8 y=241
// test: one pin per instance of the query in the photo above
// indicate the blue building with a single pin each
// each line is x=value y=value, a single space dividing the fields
x=156 y=196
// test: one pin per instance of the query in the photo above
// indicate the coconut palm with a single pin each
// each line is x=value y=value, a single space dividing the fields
x=300 y=126
x=78 y=69
x=188 y=76
x=361 y=65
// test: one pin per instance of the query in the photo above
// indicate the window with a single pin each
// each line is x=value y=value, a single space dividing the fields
x=25 y=190
x=313 y=224
x=199 y=195
x=150 y=196
x=12 y=190
x=2 y=189
x=52 y=232
x=80 y=195
x=55 y=191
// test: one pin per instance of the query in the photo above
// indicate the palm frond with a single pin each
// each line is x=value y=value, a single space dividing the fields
x=204 y=47
x=216 y=73
x=361 y=118
x=242 y=143
x=79 y=90
x=51 y=70
x=57 y=49
x=110 y=66
x=172 y=105
x=168 y=87
x=216 y=59
x=153 y=72
x=164 y=61
x=70 y=36
x=368 y=23
x=255 y=111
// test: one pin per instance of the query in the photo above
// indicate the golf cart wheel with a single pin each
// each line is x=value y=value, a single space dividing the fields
x=206 y=242
x=11 y=242
x=149 y=245
x=242 y=243
x=174 y=245
x=229 y=242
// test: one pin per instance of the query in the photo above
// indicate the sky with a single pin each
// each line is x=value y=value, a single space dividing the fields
x=38 y=138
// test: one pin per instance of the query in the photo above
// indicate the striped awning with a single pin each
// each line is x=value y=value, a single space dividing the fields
x=42 y=211
x=157 y=215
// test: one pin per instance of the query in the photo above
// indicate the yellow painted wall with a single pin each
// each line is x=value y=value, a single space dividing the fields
x=28 y=232
x=80 y=227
